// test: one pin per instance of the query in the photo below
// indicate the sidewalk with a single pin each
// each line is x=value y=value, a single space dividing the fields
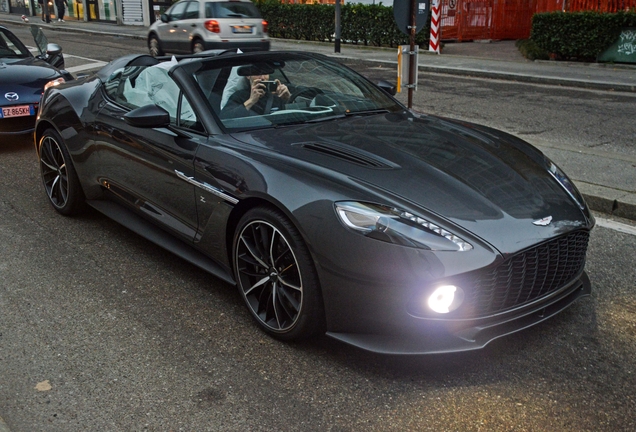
x=607 y=180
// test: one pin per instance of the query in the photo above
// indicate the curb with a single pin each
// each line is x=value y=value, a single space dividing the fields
x=609 y=201
x=510 y=76
x=70 y=29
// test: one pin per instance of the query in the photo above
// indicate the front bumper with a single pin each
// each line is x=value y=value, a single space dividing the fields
x=465 y=335
x=17 y=125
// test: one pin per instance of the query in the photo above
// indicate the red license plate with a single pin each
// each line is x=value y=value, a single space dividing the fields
x=16 y=111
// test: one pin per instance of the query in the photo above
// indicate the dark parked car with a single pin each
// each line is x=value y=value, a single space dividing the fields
x=23 y=77
x=330 y=205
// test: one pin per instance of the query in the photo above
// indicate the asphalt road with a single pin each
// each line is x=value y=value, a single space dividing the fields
x=102 y=330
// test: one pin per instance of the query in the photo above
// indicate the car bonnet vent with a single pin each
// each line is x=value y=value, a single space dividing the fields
x=349 y=154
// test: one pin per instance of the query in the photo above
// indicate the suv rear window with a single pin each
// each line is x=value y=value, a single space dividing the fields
x=231 y=9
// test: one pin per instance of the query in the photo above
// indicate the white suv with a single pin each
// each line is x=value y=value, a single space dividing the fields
x=191 y=26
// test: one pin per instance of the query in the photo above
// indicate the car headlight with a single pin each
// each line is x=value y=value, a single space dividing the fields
x=56 y=81
x=398 y=227
x=566 y=183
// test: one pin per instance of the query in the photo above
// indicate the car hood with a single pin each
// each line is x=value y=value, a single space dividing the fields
x=26 y=77
x=481 y=180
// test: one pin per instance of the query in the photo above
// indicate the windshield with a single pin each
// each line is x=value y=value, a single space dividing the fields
x=286 y=89
x=11 y=47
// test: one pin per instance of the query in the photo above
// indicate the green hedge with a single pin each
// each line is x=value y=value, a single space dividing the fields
x=360 y=24
x=580 y=35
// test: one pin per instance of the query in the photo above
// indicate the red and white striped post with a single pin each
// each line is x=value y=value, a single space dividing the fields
x=433 y=43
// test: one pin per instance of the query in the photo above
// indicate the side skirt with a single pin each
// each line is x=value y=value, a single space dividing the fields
x=159 y=237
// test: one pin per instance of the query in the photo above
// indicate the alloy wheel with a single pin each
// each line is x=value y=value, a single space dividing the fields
x=54 y=171
x=269 y=276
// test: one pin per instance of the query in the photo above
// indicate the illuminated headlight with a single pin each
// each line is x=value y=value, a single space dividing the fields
x=566 y=183
x=445 y=299
x=398 y=227
x=54 y=83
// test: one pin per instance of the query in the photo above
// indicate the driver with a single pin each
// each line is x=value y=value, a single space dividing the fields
x=262 y=97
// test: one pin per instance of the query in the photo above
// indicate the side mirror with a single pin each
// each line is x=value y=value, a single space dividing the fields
x=148 y=116
x=164 y=18
x=53 y=49
x=387 y=87
x=54 y=55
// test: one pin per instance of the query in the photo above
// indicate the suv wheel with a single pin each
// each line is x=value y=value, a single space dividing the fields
x=197 y=46
x=154 y=46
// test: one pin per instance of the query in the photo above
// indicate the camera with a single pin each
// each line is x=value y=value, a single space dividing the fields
x=271 y=86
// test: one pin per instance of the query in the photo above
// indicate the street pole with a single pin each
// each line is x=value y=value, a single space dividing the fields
x=337 y=44
x=412 y=57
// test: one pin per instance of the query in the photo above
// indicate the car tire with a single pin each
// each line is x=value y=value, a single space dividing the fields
x=197 y=46
x=154 y=46
x=276 y=276
x=59 y=178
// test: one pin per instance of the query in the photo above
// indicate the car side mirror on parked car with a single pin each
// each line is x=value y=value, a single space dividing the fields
x=164 y=18
x=53 y=49
x=387 y=87
x=53 y=55
x=148 y=116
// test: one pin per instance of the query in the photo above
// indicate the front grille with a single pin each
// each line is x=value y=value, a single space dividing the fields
x=531 y=274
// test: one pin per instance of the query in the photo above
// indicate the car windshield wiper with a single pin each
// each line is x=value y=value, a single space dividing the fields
x=317 y=120
x=367 y=112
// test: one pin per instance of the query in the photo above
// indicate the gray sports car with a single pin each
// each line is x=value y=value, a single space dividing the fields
x=23 y=77
x=332 y=207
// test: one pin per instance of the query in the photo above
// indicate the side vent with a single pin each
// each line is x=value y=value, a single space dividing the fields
x=349 y=154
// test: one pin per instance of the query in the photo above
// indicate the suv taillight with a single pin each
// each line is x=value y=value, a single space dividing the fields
x=264 y=26
x=212 y=26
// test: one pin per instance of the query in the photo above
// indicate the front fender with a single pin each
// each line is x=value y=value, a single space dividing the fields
x=69 y=110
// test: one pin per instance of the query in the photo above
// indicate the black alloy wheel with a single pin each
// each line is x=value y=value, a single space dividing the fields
x=276 y=277
x=58 y=175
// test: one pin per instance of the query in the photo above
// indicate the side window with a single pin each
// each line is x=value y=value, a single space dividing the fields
x=209 y=10
x=137 y=86
x=192 y=11
x=177 y=11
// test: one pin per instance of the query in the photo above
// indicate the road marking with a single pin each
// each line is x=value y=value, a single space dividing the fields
x=93 y=64
x=83 y=67
x=616 y=226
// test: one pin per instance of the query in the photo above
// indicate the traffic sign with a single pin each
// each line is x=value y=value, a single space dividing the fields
x=402 y=14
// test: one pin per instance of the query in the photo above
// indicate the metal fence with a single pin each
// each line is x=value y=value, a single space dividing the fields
x=510 y=19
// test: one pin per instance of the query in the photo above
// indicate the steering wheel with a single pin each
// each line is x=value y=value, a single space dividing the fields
x=307 y=92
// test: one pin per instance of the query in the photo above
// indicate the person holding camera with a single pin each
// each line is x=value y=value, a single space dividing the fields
x=262 y=97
